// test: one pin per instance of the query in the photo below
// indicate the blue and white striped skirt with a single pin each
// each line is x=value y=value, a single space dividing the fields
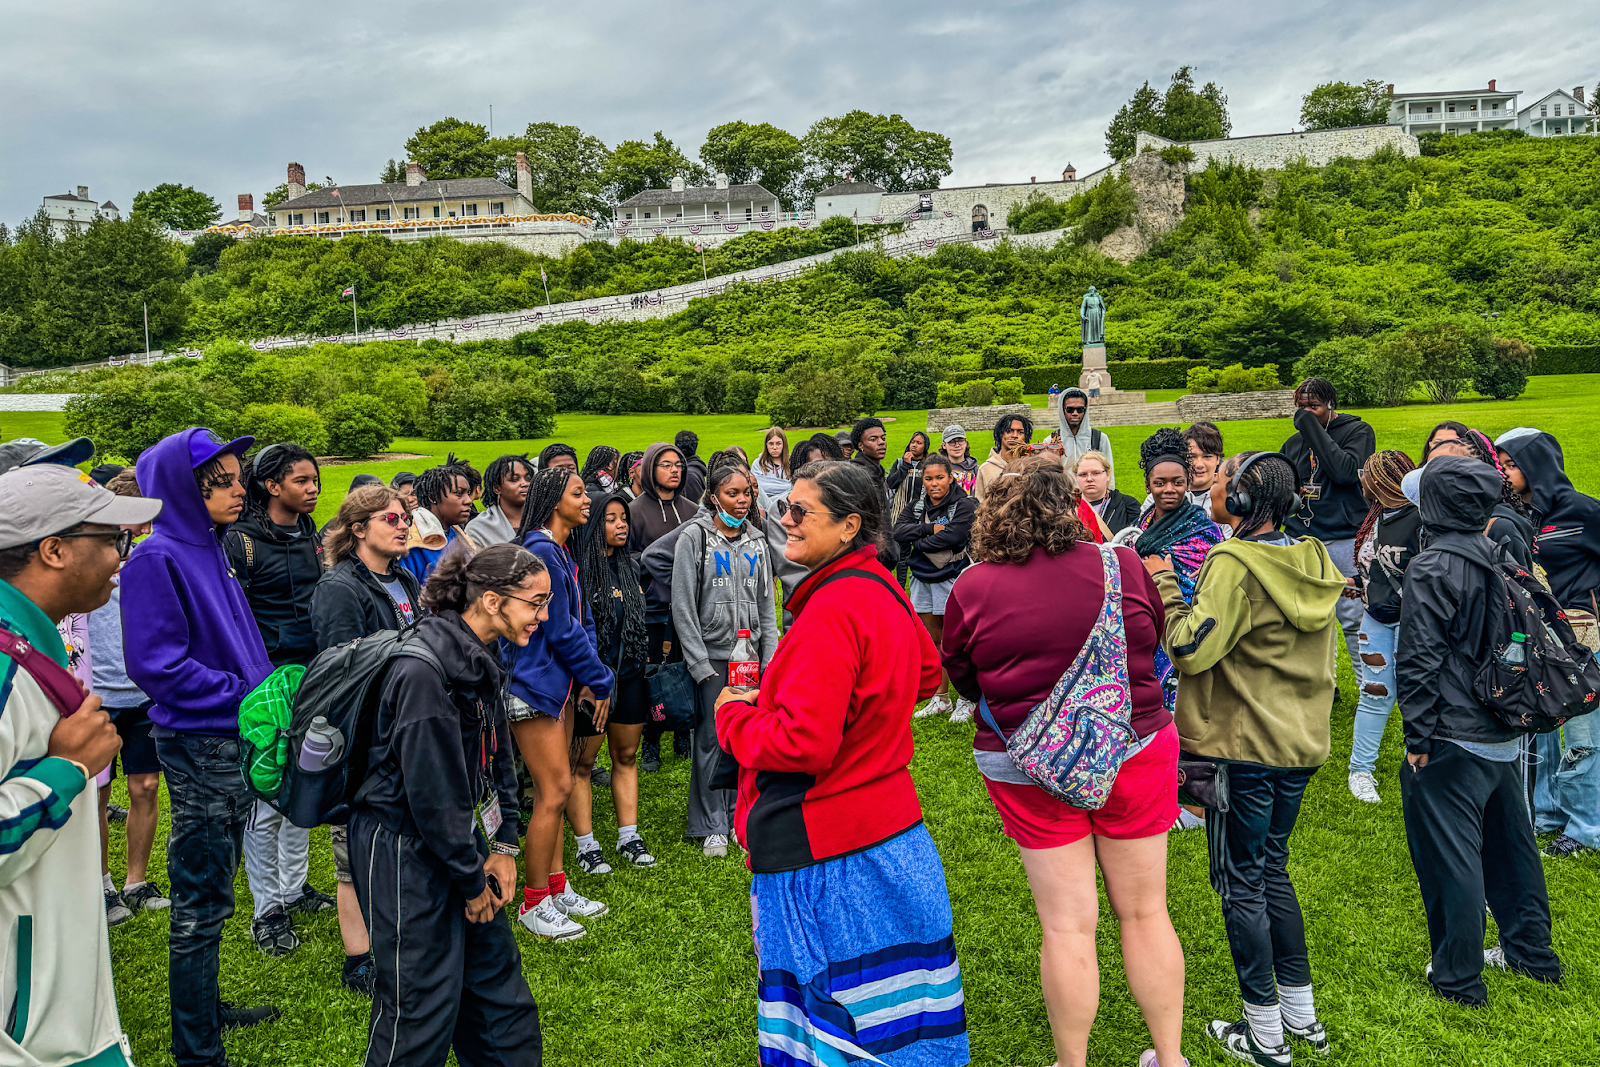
x=858 y=961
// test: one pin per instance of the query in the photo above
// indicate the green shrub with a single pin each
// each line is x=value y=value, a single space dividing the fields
x=1448 y=353
x=912 y=382
x=808 y=394
x=1177 y=154
x=463 y=408
x=951 y=395
x=1366 y=371
x=740 y=392
x=979 y=394
x=1234 y=379
x=132 y=411
x=1008 y=390
x=1037 y=214
x=1555 y=359
x=359 y=426
x=276 y=423
x=1125 y=373
x=1102 y=209
x=1503 y=372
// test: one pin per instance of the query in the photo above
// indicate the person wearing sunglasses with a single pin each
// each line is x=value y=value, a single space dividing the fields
x=1078 y=435
x=362 y=591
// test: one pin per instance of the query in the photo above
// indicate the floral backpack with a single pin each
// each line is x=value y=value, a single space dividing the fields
x=1074 y=741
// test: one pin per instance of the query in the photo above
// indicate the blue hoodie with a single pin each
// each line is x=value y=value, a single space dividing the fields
x=190 y=639
x=562 y=650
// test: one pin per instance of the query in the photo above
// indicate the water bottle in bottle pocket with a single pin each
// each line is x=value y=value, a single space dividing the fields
x=322 y=746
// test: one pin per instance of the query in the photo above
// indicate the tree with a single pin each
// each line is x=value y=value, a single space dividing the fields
x=1335 y=105
x=1183 y=114
x=874 y=148
x=763 y=154
x=451 y=148
x=635 y=166
x=207 y=250
x=177 y=207
x=393 y=172
x=568 y=165
x=281 y=193
x=359 y=426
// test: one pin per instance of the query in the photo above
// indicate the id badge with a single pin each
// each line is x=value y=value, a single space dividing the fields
x=489 y=815
x=1311 y=491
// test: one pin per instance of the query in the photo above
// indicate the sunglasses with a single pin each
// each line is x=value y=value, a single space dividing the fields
x=123 y=539
x=798 y=511
x=396 y=519
x=1075 y=410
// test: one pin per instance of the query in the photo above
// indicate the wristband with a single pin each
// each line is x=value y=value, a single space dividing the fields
x=500 y=848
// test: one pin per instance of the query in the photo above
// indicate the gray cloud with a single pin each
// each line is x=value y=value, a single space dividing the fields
x=124 y=96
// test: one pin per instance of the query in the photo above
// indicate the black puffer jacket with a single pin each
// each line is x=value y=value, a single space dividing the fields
x=1327 y=462
x=278 y=574
x=350 y=602
x=1444 y=609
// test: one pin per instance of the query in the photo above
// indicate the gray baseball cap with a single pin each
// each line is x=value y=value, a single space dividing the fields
x=44 y=499
x=953 y=433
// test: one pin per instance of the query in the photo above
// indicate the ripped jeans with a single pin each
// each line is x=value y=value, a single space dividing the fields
x=1376 y=670
x=1566 y=783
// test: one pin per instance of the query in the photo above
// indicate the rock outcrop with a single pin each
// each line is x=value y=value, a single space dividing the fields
x=1158 y=196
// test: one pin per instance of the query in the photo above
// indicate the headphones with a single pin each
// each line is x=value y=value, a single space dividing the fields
x=1239 y=502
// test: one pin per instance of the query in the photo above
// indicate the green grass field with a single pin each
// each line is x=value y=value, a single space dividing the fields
x=668 y=976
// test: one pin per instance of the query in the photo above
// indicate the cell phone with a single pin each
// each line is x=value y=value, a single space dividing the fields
x=494 y=884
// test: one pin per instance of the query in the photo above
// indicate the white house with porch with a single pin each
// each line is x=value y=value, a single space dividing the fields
x=1560 y=114
x=721 y=202
x=1463 y=111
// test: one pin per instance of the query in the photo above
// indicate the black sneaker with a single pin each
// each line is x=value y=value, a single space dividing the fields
x=1238 y=1042
x=1564 y=846
x=600 y=778
x=359 y=972
x=116 y=812
x=117 y=912
x=593 y=861
x=635 y=853
x=1313 y=1035
x=650 y=757
x=237 y=1018
x=146 y=896
x=311 y=900
x=274 y=933
x=680 y=744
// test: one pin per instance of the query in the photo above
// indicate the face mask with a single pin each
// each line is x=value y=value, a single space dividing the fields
x=728 y=520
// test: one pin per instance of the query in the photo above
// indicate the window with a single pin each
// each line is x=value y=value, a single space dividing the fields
x=436 y=211
x=647 y=214
x=497 y=208
x=1572 y=109
x=1452 y=109
x=411 y=212
x=297 y=219
x=469 y=209
x=321 y=218
x=766 y=207
x=1543 y=110
x=381 y=214
x=1430 y=109
x=747 y=213
x=358 y=214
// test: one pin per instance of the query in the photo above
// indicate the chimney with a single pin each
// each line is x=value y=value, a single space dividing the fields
x=1070 y=174
x=297 y=180
x=524 y=178
x=1032 y=180
x=83 y=192
x=722 y=180
x=247 y=207
x=1577 y=93
x=677 y=183
x=1491 y=85
x=1390 y=89
x=414 y=173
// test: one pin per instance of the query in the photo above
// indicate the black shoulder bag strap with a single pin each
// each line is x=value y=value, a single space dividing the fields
x=856 y=572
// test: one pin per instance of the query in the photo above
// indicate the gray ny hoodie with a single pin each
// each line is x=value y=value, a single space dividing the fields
x=719 y=587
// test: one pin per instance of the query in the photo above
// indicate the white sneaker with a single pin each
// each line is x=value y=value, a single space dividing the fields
x=1364 y=787
x=939 y=705
x=964 y=710
x=544 y=919
x=1494 y=956
x=715 y=845
x=1188 y=820
x=572 y=903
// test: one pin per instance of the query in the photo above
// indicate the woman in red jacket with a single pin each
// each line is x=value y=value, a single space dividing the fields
x=852 y=918
x=1037 y=562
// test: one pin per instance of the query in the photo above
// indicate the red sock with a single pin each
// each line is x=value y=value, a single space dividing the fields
x=558 y=883
x=531 y=896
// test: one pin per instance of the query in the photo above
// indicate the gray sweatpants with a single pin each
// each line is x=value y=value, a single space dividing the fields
x=710 y=810
x=277 y=857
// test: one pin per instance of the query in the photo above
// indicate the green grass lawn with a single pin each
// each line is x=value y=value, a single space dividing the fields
x=668 y=976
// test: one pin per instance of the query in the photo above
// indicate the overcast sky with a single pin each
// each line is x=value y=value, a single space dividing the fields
x=122 y=96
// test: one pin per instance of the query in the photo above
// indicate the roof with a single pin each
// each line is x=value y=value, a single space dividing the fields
x=383 y=193
x=849 y=188
x=1546 y=98
x=1485 y=91
x=110 y=206
x=71 y=196
x=697 y=194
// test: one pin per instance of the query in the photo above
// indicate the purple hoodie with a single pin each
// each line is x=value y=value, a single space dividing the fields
x=190 y=640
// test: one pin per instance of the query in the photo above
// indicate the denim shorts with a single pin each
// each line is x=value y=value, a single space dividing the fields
x=928 y=598
x=519 y=710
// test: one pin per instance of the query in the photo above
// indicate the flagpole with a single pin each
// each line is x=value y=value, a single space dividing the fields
x=546 y=282
x=354 y=314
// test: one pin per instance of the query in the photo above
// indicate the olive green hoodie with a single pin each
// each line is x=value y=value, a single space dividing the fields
x=1256 y=650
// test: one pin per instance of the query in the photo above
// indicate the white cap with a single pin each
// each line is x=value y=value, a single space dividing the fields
x=1411 y=485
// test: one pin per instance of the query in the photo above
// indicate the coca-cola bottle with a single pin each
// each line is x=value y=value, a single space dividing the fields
x=744 y=669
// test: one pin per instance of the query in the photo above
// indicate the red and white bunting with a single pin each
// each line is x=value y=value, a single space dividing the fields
x=805 y=224
x=931 y=243
x=658 y=230
x=652 y=300
x=469 y=326
x=986 y=234
x=877 y=218
x=537 y=316
x=731 y=227
x=768 y=225
x=949 y=214
x=694 y=229
x=123 y=362
x=260 y=346
x=398 y=333
x=593 y=311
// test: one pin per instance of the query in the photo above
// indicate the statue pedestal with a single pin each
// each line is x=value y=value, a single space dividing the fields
x=1094 y=359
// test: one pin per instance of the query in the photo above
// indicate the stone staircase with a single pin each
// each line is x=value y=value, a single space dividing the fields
x=1120 y=408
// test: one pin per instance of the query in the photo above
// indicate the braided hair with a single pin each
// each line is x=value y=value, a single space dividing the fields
x=601 y=457
x=1381 y=477
x=435 y=482
x=1166 y=445
x=1271 y=485
x=544 y=493
x=496 y=472
x=1484 y=449
x=601 y=576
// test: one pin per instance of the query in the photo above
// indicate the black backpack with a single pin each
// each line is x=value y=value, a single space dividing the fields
x=342 y=685
x=1558 y=679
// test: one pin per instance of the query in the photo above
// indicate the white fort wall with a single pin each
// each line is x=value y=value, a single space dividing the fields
x=1273 y=151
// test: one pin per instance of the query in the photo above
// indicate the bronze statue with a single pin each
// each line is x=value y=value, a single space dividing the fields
x=1093 y=313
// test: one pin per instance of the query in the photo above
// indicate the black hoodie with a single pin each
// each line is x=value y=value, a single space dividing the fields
x=1447 y=596
x=445 y=742
x=1328 y=462
x=279 y=572
x=650 y=518
x=916 y=531
x=1567 y=543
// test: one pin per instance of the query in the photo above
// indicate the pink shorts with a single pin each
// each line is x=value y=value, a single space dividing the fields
x=1144 y=802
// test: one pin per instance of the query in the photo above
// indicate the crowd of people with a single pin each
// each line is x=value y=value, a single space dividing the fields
x=1130 y=667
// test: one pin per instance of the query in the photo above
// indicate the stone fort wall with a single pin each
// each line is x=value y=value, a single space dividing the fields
x=1273 y=151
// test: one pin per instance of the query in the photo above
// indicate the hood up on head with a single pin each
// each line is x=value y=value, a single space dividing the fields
x=1459 y=493
x=647 y=472
x=166 y=471
x=1545 y=467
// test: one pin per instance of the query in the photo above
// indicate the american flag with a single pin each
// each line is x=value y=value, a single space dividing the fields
x=349 y=292
x=543 y=277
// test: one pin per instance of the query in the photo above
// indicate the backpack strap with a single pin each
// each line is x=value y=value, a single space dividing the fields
x=857 y=572
x=406 y=648
x=249 y=559
x=60 y=686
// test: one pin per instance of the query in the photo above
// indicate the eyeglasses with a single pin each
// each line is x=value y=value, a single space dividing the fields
x=669 y=466
x=541 y=602
x=396 y=519
x=122 y=538
x=1075 y=410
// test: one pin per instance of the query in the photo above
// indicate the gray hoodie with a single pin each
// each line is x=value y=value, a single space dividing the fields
x=719 y=587
x=1087 y=439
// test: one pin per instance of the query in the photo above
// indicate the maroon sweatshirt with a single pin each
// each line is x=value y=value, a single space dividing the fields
x=1012 y=630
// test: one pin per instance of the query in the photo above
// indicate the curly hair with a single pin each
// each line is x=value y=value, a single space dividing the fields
x=1166 y=445
x=462 y=577
x=1033 y=503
